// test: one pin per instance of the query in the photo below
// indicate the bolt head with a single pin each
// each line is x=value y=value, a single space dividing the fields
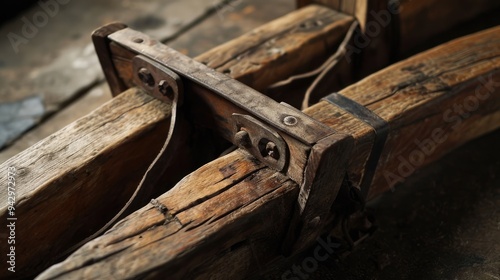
x=242 y=138
x=146 y=77
x=165 y=89
x=272 y=150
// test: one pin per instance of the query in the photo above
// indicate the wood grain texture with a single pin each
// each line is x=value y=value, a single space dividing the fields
x=421 y=20
x=56 y=61
x=239 y=200
x=292 y=44
x=64 y=182
x=324 y=175
x=377 y=39
x=212 y=31
x=200 y=237
x=392 y=29
x=90 y=168
x=360 y=9
x=433 y=103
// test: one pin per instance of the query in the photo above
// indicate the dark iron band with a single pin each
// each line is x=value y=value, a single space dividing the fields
x=380 y=126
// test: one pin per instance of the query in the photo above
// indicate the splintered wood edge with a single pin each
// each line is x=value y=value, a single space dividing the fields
x=243 y=197
x=223 y=224
x=85 y=172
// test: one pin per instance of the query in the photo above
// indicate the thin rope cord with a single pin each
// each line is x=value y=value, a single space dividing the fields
x=147 y=181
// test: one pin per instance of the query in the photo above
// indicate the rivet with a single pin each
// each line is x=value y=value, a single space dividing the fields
x=290 y=120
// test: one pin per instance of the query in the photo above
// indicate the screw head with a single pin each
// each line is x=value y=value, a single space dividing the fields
x=272 y=150
x=241 y=138
x=290 y=120
x=146 y=77
x=165 y=89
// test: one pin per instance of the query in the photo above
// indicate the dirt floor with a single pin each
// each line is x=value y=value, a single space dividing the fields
x=442 y=223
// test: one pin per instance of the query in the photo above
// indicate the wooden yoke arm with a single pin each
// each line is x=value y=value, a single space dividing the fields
x=90 y=168
x=231 y=215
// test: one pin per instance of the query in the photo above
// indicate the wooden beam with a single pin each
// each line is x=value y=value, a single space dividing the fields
x=71 y=183
x=422 y=20
x=229 y=217
x=377 y=38
x=360 y=9
x=391 y=29
x=294 y=44
x=429 y=100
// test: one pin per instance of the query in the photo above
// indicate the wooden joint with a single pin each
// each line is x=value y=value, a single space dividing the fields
x=323 y=177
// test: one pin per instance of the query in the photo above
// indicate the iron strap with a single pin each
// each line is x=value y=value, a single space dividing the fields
x=380 y=126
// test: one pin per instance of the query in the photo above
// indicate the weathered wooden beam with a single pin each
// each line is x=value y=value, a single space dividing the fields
x=26 y=73
x=433 y=103
x=72 y=183
x=422 y=20
x=360 y=9
x=378 y=36
x=394 y=28
x=293 y=44
x=230 y=216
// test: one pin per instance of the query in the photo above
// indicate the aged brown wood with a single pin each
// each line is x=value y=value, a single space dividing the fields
x=421 y=20
x=231 y=215
x=60 y=69
x=458 y=94
x=417 y=21
x=262 y=64
x=255 y=63
x=236 y=194
x=360 y=9
x=73 y=182
x=378 y=38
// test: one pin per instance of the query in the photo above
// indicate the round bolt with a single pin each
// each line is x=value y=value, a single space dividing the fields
x=241 y=138
x=272 y=150
x=146 y=77
x=290 y=120
x=165 y=89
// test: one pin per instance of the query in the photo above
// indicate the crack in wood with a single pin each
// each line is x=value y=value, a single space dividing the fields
x=326 y=20
x=257 y=198
x=169 y=217
x=214 y=194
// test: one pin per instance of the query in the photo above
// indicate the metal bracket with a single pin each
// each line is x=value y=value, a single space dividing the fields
x=282 y=137
x=260 y=141
x=156 y=79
